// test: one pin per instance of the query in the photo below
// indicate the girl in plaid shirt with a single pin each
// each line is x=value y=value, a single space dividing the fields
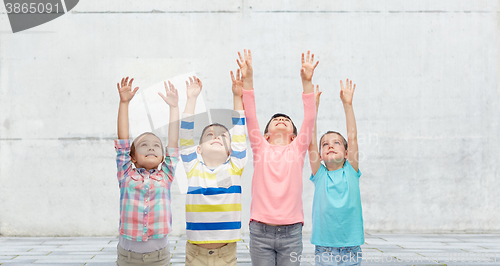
x=145 y=215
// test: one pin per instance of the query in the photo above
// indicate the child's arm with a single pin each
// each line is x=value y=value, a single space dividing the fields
x=193 y=89
x=122 y=145
x=172 y=99
x=126 y=94
x=306 y=73
x=346 y=94
x=237 y=88
x=254 y=135
x=246 y=69
x=306 y=130
x=314 y=158
x=238 y=138
x=188 y=148
x=172 y=152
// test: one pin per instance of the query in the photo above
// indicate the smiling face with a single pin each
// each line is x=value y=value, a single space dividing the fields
x=215 y=141
x=333 y=148
x=282 y=125
x=148 y=151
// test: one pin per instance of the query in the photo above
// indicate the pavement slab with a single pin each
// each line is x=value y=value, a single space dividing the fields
x=379 y=249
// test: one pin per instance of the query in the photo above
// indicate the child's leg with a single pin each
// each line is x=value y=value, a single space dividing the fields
x=290 y=245
x=262 y=250
x=351 y=256
x=156 y=258
x=225 y=255
x=327 y=256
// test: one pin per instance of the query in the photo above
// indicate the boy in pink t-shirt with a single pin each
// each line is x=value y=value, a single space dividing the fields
x=276 y=211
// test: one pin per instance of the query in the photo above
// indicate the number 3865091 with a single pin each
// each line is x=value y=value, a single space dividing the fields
x=33 y=8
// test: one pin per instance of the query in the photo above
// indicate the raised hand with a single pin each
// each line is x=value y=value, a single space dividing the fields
x=317 y=95
x=308 y=66
x=193 y=87
x=245 y=64
x=237 y=84
x=347 y=92
x=172 y=97
x=125 y=90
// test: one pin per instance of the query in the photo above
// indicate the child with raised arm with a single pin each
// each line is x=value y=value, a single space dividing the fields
x=337 y=217
x=276 y=215
x=145 y=215
x=213 y=201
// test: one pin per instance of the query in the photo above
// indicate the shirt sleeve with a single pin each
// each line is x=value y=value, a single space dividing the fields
x=306 y=130
x=170 y=162
x=321 y=171
x=238 y=140
x=188 y=148
x=351 y=169
x=254 y=135
x=123 y=162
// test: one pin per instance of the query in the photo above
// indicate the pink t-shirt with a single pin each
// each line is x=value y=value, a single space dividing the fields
x=277 y=176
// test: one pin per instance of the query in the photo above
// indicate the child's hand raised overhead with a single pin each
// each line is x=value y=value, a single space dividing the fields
x=125 y=90
x=193 y=87
x=308 y=66
x=245 y=65
x=172 y=97
x=237 y=84
x=347 y=92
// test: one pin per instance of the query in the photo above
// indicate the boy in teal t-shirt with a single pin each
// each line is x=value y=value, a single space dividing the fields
x=337 y=215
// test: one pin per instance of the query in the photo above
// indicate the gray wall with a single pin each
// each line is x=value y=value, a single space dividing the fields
x=426 y=102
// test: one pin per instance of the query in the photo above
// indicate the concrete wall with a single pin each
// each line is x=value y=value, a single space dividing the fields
x=426 y=102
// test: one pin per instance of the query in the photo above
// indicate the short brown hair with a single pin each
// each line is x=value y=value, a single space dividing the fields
x=214 y=125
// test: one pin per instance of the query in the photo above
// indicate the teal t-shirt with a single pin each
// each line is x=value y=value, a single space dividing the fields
x=337 y=215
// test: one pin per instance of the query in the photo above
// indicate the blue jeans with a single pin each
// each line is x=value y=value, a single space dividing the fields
x=275 y=245
x=346 y=256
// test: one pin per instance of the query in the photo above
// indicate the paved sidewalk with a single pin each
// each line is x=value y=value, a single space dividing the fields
x=379 y=249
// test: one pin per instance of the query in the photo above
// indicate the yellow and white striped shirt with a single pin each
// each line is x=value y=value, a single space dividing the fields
x=213 y=201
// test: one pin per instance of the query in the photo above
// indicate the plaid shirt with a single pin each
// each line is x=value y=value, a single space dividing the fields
x=144 y=195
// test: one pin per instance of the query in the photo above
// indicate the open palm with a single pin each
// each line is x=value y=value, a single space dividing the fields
x=125 y=90
x=193 y=87
x=308 y=66
x=347 y=92
x=171 y=96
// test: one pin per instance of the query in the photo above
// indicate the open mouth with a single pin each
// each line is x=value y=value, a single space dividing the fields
x=217 y=142
x=151 y=155
x=281 y=123
x=330 y=152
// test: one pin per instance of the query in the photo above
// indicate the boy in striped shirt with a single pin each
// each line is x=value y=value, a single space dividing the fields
x=213 y=202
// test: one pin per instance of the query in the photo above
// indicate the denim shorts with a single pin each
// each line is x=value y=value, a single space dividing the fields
x=348 y=256
x=275 y=245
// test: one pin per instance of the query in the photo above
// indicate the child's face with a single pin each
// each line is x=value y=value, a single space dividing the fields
x=148 y=152
x=332 y=148
x=280 y=125
x=215 y=140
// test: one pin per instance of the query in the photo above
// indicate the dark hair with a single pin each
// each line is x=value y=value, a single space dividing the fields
x=280 y=115
x=132 y=146
x=214 y=125
x=332 y=132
